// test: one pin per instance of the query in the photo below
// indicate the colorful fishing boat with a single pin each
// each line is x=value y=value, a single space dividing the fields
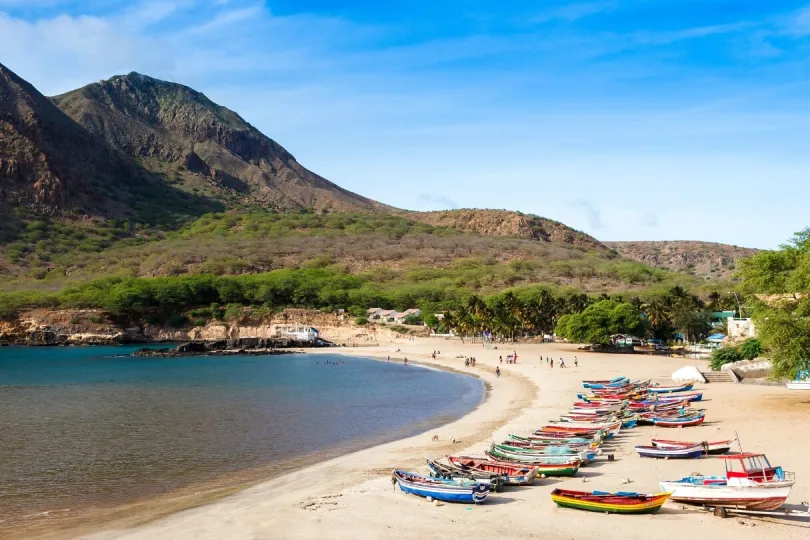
x=449 y=472
x=679 y=421
x=710 y=447
x=551 y=455
x=543 y=468
x=750 y=483
x=462 y=491
x=618 y=381
x=610 y=503
x=685 y=452
x=802 y=381
x=670 y=389
x=513 y=474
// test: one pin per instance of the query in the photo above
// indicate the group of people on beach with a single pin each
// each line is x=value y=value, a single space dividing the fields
x=550 y=362
x=469 y=361
x=510 y=358
x=435 y=353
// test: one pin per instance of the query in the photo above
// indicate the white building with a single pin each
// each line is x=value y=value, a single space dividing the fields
x=388 y=315
x=297 y=332
x=741 y=329
x=374 y=313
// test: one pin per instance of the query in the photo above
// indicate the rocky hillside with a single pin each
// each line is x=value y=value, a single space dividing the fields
x=703 y=259
x=178 y=131
x=506 y=223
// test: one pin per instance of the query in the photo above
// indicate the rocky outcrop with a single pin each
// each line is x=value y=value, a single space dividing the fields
x=507 y=223
x=703 y=259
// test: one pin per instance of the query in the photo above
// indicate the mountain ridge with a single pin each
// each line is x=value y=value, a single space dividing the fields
x=171 y=128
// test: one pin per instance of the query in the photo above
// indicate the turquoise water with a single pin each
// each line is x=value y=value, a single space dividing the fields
x=93 y=426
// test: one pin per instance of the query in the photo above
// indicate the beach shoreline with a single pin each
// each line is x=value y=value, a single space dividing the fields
x=351 y=496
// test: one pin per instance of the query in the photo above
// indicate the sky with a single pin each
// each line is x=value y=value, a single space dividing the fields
x=627 y=119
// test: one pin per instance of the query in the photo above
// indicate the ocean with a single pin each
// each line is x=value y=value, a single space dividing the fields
x=93 y=426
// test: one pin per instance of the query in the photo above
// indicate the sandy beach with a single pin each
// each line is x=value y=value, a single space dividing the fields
x=352 y=496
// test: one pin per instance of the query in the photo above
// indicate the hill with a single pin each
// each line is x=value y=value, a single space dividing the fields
x=706 y=260
x=134 y=177
x=49 y=165
x=178 y=131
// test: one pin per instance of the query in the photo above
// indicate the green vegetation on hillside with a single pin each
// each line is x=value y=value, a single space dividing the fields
x=387 y=248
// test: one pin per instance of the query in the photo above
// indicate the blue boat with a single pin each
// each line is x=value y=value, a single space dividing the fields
x=631 y=423
x=613 y=383
x=462 y=491
x=670 y=389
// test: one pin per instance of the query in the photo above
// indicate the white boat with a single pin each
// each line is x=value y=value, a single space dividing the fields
x=799 y=385
x=757 y=486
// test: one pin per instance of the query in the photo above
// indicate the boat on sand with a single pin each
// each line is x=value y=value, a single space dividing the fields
x=610 y=503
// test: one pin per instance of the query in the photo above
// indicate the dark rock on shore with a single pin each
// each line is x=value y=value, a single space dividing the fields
x=231 y=347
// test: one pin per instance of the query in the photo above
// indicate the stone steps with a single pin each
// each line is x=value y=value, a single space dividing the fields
x=717 y=376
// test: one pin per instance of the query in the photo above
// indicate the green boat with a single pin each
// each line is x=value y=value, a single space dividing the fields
x=543 y=468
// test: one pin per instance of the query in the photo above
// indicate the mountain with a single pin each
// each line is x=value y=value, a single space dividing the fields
x=50 y=165
x=703 y=259
x=178 y=131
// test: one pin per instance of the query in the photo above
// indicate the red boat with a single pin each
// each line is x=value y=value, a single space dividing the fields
x=515 y=474
x=713 y=448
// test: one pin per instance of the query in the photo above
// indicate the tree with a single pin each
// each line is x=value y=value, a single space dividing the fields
x=599 y=321
x=782 y=320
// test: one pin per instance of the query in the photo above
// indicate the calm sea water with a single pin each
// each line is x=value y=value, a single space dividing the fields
x=92 y=426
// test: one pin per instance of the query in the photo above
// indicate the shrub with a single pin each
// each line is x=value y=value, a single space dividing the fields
x=751 y=348
x=176 y=320
x=726 y=355
x=361 y=321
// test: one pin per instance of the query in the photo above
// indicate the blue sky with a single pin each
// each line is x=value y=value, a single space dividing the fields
x=628 y=119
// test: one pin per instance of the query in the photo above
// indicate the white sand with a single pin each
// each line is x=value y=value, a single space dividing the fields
x=352 y=497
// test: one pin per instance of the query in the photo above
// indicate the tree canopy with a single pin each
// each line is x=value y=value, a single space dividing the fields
x=778 y=286
x=601 y=320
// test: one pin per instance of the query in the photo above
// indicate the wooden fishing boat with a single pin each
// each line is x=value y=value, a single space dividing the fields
x=750 y=483
x=675 y=396
x=449 y=472
x=679 y=422
x=610 y=503
x=618 y=381
x=710 y=447
x=463 y=491
x=513 y=474
x=543 y=468
x=552 y=455
x=684 y=452
x=670 y=389
x=579 y=447
x=536 y=439
x=452 y=490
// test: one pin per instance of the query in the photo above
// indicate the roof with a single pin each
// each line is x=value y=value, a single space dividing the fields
x=388 y=312
x=716 y=337
x=723 y=314
x=373 y=310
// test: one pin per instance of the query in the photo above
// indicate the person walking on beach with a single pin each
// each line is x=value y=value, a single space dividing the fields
x=576 y=363
x=562 y=363
x=498 y=372
x=406 y=360
x=501 y=359
x=552 y=363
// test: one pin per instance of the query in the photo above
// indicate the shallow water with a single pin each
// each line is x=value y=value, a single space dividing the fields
x=93 y=426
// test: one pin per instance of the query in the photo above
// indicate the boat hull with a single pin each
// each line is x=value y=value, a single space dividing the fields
x=711 y=448
x=544 y=469
x=513 y=474
x=440 y=490
x=763 y=497
x=610 y=503
x=687 y=452
x=670 y=389
x=798 y=385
